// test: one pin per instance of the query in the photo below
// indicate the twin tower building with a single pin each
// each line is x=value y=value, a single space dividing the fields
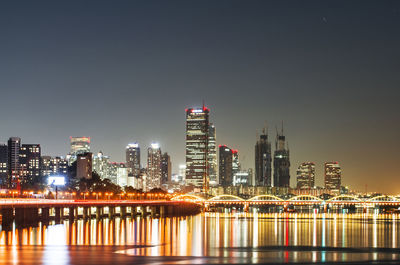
x=201 y=155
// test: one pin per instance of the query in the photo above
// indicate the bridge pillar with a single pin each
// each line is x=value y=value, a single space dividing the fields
x=19 y=216
x=45 y=214
x=162 y=210
x=85 y=213
x=122 y=211
x=111 y=211
x=7 y=217
x=364 y=209
x=71 y=213
x=31 y=216
x=99 y=212
x=325 y=208
x=58 y=212
x=133 y=211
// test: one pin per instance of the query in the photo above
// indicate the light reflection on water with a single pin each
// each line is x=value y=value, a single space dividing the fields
x=241 y=237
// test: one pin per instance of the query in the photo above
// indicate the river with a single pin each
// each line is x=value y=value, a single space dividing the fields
x=208 y=238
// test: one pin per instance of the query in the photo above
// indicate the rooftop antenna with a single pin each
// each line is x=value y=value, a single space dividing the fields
x=265 y=130
x=282 y=127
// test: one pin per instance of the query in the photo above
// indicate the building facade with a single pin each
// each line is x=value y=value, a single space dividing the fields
x=84 y=166
x=3 y=166
x=333 y=176
x=29 y=163
x=14 y=146
x=281 y=162
x=197 y=125
x=153 y=166
x=132 y=152
x=225 y=166
x=212 y=155
x=166 y=169
x=101 y=165
x=306 y=175
x=263 y=161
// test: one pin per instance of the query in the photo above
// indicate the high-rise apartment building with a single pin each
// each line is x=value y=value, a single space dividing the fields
x=197 y=126
x=50 y=166
x=333 y=176
x=281 y=162
x=212 y=155
x=84 y=165
x=101 y=165
x=166 y=170
x=132 y=152
x=29 y=163
x=306 y=175
x=14 y=146
x=3 y=166
x=153 y=166
x=225 y=166
x=263 y=161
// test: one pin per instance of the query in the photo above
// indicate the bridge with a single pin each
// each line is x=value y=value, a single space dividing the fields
x=268 y=200
x=31 y=211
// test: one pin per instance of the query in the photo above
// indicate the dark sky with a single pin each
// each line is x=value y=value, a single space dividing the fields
x=124 y=71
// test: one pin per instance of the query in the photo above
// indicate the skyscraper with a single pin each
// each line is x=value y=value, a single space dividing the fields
x=133 y=159
x=235 y=162
x=153 y=166
x=84 y=166
x=212 y=155
x=225 y=166
x=101 y=165
x=165 y=168
x=14 y=145
x=197 y=125
x=281 y=162
x=79 y=145
x=333 y=176
x=3 y=165
x=306 y=175
x=263 y=161
x=29 y=159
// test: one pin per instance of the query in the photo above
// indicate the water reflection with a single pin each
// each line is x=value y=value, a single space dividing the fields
x=240 y=237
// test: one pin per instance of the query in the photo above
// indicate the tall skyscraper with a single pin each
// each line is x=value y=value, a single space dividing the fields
x=84 y=165
x=79 y=145
x=197 y=125
x=3 y=166
x=281 y=162
x=14 y=146
x=263 y=159
x=29 y=160
x=333 y=176
x=306 y=175
x=225 y=166
x=235 y=162
x=133 y=159
x=153 y=166
x=212 y=155
x=166 y=169
x=101 y=165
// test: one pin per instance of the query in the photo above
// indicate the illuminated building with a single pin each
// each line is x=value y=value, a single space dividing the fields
x=133 y=159
x=212 y=155
x=165 y=168
x=80 y=145
x=53 y=166
x=225 y=165
x=29 y=162
x=235 y=162
x=153 y=166
x=122 y=175
x=197 y=125
x=14 y=145
x=84 y=166
x=101 y=165
x=182 y=172
x=306 y=175
x=281 y=162
x=263 y=161
x=3 y=165
x=242 y=178
x=333 y=176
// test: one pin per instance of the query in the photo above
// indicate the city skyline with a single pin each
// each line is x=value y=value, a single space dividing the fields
x=113 y=74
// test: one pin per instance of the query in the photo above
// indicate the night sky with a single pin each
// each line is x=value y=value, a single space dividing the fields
x=124 y=71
